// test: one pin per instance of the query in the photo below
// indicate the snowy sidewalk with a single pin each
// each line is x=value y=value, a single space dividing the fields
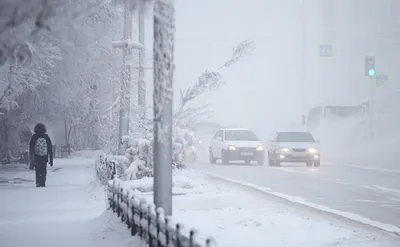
x=68 y=212
x=239 y=217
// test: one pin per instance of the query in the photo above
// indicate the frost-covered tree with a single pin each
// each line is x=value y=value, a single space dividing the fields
x=19 y=77
x=139 y=156
x=21 y=74
x=21 y=20
x=87 y=79
x=83 y=31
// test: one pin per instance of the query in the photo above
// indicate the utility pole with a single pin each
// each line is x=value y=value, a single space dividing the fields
x=302 y=61
x=163 y=50
x=124 y=112
x=141 y=82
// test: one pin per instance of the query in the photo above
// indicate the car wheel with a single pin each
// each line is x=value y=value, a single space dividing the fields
x=247 y=162
x=309 y=163
x=260 y=162
x=213 y=160
x=225 y=160
x=317 y=163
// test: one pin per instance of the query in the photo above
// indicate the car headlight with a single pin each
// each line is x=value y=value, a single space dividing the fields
x=284 y=150
x=312 y=150
x=232 y=148
x=259 y=148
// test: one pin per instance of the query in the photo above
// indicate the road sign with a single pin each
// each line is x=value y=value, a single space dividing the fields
x=325 y=51
x=381 y=80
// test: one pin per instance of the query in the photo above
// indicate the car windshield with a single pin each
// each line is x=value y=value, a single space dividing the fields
x=240 y=135
x=295 y=137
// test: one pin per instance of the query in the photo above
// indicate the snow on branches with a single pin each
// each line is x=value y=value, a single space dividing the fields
x=25 y=73
x=239 y=53
x=20 y=20
x=140 y=141
x=211 y=79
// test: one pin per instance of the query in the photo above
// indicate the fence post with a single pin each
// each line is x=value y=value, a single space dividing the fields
x=118 y=198
x=178 y=235
x=113 y=196
x=141 y=210
x=149 y=219
x=191 y=238
x=166 y=231
x=121 y=202
x=134 y=227
x=54 y=151
x=208 y=242
x=158 y=230
x=128 y=221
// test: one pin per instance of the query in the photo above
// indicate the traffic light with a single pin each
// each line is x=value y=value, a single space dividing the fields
x=370 y=65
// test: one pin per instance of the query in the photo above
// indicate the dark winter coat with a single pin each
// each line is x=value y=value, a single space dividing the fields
x=40 y=131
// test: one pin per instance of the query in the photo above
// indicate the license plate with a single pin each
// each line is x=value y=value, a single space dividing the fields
x=299 y=155
x=246 y=153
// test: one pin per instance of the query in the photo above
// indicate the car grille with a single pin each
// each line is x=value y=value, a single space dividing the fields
x=299 y=149
x=242 y=149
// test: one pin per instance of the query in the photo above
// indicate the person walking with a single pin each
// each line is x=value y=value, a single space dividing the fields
x=41 y=152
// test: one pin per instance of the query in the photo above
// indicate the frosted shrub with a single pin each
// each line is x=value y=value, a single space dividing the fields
x=140 y=156
x=104 y=165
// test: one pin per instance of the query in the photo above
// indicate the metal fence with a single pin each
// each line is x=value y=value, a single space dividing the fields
x=145 y=221
x=62 y=151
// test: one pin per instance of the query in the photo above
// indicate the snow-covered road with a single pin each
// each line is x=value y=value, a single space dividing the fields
x=68 y=212
x=370 y=193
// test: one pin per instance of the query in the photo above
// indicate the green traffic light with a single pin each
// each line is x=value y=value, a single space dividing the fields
x=371 y=72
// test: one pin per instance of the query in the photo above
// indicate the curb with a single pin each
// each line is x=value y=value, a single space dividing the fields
x=390 y=229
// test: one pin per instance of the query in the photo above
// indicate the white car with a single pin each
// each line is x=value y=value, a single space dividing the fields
x=233 y=144
x=294 y=147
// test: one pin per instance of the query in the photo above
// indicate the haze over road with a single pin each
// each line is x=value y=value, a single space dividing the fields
x=370 y=192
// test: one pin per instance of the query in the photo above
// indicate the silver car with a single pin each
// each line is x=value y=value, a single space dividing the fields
x=294 y=147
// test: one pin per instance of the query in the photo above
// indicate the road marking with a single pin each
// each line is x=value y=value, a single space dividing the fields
x=386 y=190
x=314 y=172
x=331 y=164
x=371 y=168
x=376 y=188
x=302 y=201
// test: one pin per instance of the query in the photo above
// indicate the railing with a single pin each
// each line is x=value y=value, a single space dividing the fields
x=145 y=221
x=61 y=152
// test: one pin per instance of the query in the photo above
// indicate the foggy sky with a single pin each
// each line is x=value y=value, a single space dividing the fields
x=265 y=90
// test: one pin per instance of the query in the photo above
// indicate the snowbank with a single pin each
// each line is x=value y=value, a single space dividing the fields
x=108 y=230
x=241 y=217
x=184 y=182
x=144 y=220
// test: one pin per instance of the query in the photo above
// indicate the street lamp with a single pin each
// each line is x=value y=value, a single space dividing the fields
x=127 y=44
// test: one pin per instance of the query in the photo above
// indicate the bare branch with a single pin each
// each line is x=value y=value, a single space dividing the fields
x=211 y=80
x=208 y=81
x=239 y=52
